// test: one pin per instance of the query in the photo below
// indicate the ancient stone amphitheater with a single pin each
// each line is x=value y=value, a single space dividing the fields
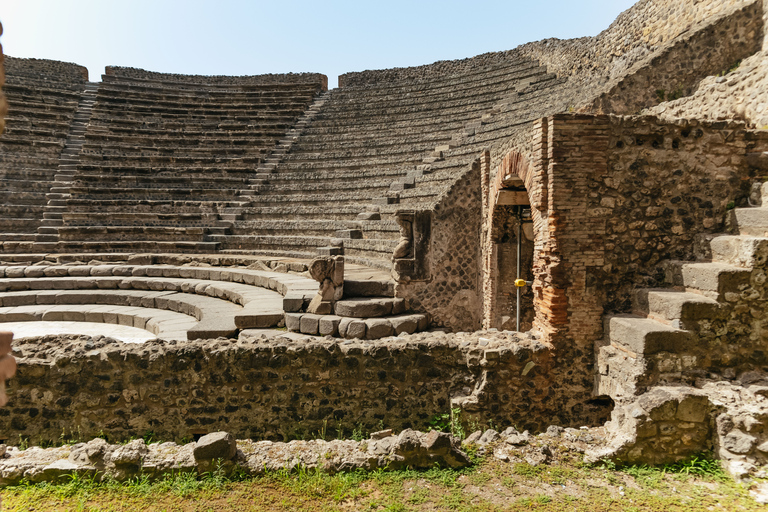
x=612 y=186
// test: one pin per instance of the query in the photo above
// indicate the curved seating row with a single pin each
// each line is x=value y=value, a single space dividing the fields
x=166 y=325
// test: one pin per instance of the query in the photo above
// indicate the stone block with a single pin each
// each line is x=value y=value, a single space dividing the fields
x=329 y=325
x=343 y=325
x=378 y=328
x=364 y=307
x=309 y=323
x=693 y=409
x=293 y=302
x=404 y=324
x=218 y=445
x=293 y=321
x=355 y=329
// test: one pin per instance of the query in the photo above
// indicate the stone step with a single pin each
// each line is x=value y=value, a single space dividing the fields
x=351 y=328
x=368 y=307
x=674 y=308
x=738 y=250
x=368 y=288
x=748 y=221
x=643 y=336
x=714 y=280
x=19 y=237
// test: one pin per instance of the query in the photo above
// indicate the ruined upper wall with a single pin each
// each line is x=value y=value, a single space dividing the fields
x=740 y=94
x=636 y=33
x=45 y=69
x=428 y=71
x=266 y=79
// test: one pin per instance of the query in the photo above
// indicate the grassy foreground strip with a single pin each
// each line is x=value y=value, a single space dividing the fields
x=489 y=486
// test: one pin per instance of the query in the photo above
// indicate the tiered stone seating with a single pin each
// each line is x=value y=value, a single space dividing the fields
x=372 y=138
x=163 y=154
x=43 y=97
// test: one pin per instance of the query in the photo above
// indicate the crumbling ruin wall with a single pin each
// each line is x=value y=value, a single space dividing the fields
x=451 y=292
x=657 y=50
x=739 y=94
x=40 y=68
x=278 y=389
x=142 y=74
x=634 y=35
x=765 y=25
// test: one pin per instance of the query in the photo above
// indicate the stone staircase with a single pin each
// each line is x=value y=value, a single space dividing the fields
x=42 y=101
x=48 y=232
x=369 y=310
x=709 y=319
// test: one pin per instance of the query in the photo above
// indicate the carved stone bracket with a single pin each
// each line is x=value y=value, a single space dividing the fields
x=329 y=272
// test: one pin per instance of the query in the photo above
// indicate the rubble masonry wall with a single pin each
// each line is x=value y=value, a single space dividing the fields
x=38 y=68
x=283 y=390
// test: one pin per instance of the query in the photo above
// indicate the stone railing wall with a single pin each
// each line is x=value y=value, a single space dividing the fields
x=656 y=51
x=279 y=389
x=288 y=78
x=43 y=68
x=765 y=25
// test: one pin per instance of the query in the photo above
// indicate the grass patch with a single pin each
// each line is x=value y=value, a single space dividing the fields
x=698 y=484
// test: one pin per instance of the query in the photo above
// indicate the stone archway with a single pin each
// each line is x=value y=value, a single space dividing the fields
x=508 y=231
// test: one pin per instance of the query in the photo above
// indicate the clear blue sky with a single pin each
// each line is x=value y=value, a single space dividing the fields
x=237 y=37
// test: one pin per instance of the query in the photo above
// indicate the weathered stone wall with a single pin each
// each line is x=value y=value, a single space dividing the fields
x=614 y=196
x=452 y=293
x=765 y=25
x=667 y=184
x=677 y=67
x=656 y=50
x=42 y=68
x=634 y=35
x=279 y=389
x=141 y=74
x=662 y=426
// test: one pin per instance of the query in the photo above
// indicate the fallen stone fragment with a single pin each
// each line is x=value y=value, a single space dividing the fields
x=219 y=445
